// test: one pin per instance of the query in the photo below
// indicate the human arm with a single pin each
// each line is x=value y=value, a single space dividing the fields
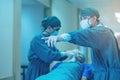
x=90 y=37
x=75 y=55
x=79 y=37
x=71 y=58
x=47 y=54
x=51 y=40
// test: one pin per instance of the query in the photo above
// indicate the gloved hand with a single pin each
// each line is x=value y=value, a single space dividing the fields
x=72 y=55
x=73 y=52
x=51 y=40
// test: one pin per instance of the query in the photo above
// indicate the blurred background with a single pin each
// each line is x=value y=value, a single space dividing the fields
x=20 y=22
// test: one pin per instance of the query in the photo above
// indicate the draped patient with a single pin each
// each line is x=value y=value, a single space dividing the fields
x=71 y=69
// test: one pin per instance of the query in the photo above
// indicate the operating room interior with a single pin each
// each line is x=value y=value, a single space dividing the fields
x=20 y=22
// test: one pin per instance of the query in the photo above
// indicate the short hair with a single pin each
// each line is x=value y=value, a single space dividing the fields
x=51 y=21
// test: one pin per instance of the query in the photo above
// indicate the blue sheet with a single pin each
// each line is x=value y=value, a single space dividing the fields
x=65 y=71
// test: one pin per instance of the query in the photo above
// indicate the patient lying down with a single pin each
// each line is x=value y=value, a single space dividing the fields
x=72 y=69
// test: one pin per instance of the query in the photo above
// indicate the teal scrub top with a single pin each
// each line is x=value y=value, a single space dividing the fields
x=105 y=51
x=40 y=56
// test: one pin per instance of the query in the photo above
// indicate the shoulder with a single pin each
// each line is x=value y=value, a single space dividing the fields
x=37 y=38
x=100 y=28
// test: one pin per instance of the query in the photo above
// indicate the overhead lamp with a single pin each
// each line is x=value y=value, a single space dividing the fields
x=117 y=34
x=118 y=20
x=117 y=14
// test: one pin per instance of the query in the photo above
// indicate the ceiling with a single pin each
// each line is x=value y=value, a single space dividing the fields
x=28 y=2
x=99 y=3
x=106 y=8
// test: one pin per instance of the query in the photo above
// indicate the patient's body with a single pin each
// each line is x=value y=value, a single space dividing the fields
x=86 y=72
x=65 y=71
x=73 y=69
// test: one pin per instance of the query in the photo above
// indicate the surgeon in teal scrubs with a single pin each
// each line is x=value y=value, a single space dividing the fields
x=40 y=55
x=101 y=40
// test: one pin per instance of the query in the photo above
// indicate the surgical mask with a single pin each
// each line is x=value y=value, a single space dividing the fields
x=55 y=33
x=85 y=23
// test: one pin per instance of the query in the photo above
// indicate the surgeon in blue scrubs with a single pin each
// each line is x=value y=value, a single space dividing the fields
x=40 y=55
x=105 y=52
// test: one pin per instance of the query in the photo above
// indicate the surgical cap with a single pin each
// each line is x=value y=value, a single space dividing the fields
x=90 y=12
x=52 y=21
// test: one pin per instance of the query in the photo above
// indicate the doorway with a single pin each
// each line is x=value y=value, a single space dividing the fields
x=32 y=13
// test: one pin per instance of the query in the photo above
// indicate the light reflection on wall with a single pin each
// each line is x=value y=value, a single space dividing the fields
x=31 y=17
x=117 y=35
x=117 y=15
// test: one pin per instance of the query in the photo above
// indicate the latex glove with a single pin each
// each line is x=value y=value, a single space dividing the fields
x=51 y=40
x=73 y=52
x=72 y=55
x=67 y=53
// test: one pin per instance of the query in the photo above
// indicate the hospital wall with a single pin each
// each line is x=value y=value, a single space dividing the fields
x=68 y=14
x=6 y=36
x=31 y=17
x=11 y=32
x=9 y=39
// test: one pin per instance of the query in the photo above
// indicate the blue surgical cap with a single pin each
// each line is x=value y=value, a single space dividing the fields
x=89 y=12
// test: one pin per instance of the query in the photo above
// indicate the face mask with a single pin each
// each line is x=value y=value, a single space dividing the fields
x=55 y=33
x=85 y=23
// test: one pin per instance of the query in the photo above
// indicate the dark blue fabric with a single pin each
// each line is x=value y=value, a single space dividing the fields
x=65 y=71
x=105 y=52
x=87 y=71
x=40 y=56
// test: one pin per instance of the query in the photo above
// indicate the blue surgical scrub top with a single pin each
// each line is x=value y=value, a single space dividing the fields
x=105 y=52
x=40 y=56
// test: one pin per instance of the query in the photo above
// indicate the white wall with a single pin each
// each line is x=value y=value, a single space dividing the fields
x=6 y=38
x=106 y=8
x=30 y=26
x=67 y=13
x=45 y=2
